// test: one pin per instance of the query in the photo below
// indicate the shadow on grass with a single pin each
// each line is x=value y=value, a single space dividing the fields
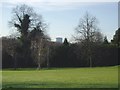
x=61 y=89
x=56 y=86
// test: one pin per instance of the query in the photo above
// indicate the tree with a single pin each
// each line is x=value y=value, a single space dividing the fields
x=40 y=50
x=98 y=37
x=21 y=22
x=39 y=45
x=11 y=46
x=65 y=42
x=88 y=33
x=105 y=40
x=25 y=20
x=116 y=38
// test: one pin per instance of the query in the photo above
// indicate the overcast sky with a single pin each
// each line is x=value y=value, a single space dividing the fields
x=63 y=15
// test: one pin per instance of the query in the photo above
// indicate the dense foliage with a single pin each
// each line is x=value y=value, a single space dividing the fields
x=64 y=55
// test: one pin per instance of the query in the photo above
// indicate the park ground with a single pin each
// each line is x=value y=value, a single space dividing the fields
x=96 y=77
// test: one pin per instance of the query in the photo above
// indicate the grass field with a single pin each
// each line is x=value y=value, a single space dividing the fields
x=99 y=77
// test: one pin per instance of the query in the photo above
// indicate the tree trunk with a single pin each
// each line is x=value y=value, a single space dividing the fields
x=15 y=61
x=90 y=54
x=39 y=67
x=48 y=58
x=90 y=61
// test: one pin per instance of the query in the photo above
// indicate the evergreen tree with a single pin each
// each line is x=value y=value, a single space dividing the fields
x=116 y=38
x=105 y=40
x=66 y=42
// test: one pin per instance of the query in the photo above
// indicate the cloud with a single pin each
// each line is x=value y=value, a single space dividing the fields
x=45 y=5
x=39 y=4
x=50 y=5
x=58 y=1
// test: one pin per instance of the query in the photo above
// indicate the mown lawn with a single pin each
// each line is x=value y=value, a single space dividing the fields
x=99 y=77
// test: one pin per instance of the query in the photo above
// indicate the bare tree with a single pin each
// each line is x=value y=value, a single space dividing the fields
x=26 y=21
x=39 y=44
x=40 y=50
x=88 y=33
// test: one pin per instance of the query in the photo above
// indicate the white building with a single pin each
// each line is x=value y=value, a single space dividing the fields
x=59 y=39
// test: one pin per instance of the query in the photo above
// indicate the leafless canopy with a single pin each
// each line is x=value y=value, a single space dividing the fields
x=20 y=11
x=87 y=28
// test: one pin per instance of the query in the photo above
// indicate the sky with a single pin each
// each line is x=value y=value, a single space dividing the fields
x=62 y=16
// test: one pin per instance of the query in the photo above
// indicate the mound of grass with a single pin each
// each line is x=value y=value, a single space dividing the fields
x=99 y=77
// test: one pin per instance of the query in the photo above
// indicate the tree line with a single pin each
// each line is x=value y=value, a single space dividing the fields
x=32 y=47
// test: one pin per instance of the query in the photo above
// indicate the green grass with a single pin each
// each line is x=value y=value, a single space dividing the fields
x=99 y=77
